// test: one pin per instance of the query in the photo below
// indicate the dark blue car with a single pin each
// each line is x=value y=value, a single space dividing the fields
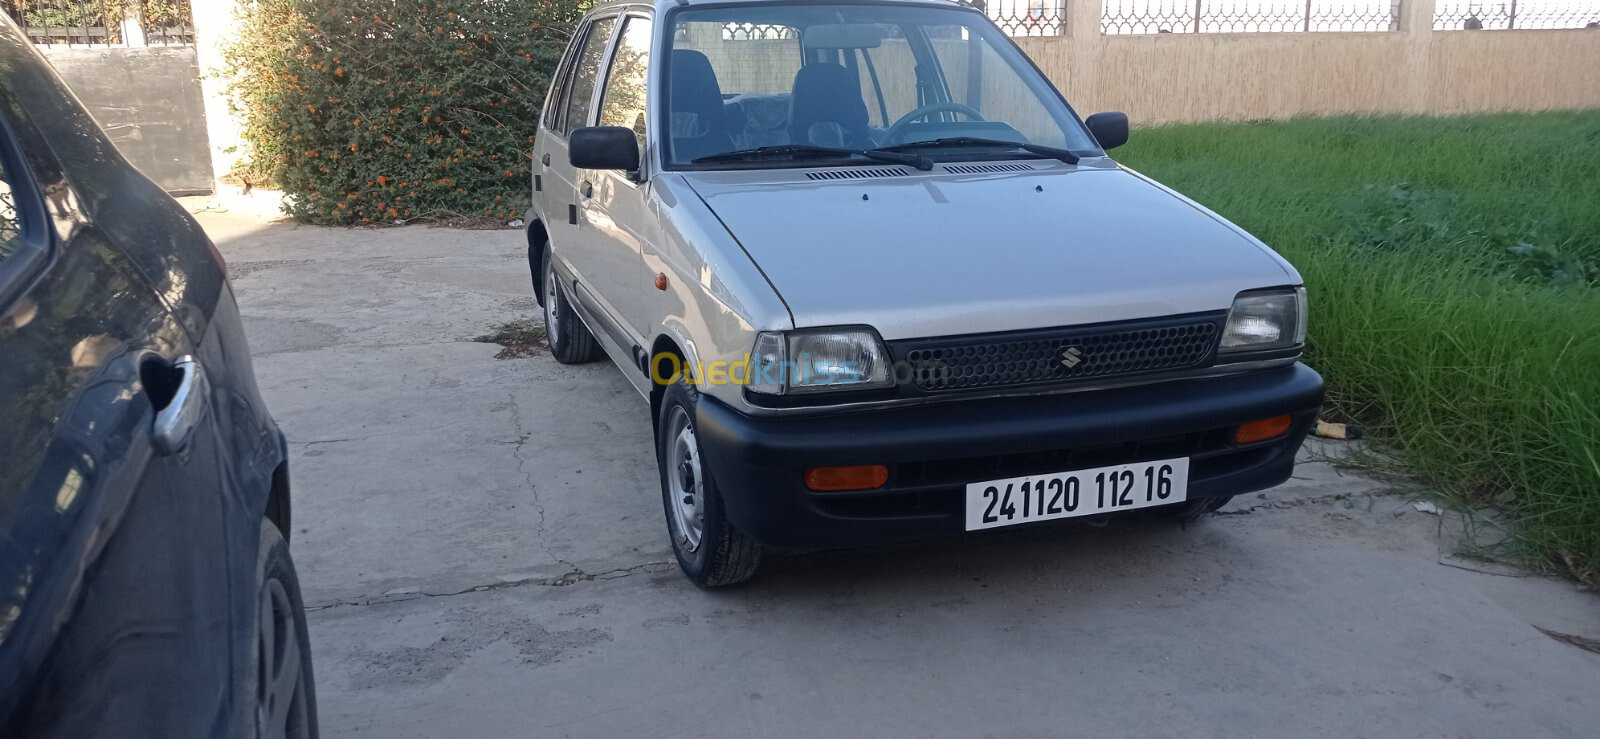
x=145 y=581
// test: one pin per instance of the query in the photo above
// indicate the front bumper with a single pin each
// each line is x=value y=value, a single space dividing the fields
x=934 y=450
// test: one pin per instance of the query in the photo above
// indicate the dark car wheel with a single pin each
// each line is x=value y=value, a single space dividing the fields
x=286 y=696
x=710 y=550
x=570 y=341
x=1185 y=511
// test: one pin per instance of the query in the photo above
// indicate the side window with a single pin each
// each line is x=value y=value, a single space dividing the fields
x=10 y=219
x=627 y=81
x=586 y=74
x=555 y=104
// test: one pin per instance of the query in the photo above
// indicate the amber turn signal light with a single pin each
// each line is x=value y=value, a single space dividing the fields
x=860 y=477
x=1262 y=430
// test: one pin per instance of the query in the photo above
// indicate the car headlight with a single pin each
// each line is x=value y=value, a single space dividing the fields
x=1267 y=320
x=818 y=360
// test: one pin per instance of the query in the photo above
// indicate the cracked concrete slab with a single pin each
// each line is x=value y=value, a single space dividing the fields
x=481 y=547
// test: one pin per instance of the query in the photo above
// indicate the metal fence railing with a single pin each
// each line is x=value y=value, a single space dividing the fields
x=1473 y=15
x=1248 y=16
x=1029 y=17
x=103 y=22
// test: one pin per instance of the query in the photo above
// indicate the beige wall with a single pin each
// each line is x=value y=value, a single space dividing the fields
x=1244 y=76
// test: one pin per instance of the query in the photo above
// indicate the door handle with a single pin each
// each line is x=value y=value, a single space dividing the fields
x=586 y=189
x=545 y=160
x=176 y=421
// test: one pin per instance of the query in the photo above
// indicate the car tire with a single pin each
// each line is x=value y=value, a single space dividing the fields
x=286 y=694
x=1188 y=510
x=570 y=341
x=711 y=551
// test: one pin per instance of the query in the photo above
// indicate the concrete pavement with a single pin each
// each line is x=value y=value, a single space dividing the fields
x=482 y=546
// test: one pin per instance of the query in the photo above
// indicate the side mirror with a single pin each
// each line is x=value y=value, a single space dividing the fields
x=1110 y=129
x=604 y=147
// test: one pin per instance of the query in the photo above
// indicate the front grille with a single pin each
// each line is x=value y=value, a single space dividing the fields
x=1012 y=359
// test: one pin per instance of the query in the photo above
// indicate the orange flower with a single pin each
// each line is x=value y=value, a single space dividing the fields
x=311 y=108
x=357 y=122
x=510 y=173
x=383 y=179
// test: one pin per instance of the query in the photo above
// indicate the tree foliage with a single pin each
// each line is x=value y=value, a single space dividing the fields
x=381 y=110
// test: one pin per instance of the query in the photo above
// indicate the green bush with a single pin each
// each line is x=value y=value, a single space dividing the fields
x=368 y=111
x=1455 y=305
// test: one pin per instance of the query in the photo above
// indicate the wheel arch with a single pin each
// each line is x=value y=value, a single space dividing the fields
x=278 y=500
x=538 y=243
x=666 y=344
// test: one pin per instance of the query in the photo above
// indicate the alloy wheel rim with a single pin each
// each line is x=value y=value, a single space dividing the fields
x=280 y=691
x=685 y=483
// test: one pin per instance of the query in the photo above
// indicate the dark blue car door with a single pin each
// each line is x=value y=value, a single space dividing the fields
x=116 y=594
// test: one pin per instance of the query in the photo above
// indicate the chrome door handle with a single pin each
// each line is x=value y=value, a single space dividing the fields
x=586 y=189
x=176 y=422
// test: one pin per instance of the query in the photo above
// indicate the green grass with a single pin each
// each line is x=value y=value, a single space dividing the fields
x=1455 y=295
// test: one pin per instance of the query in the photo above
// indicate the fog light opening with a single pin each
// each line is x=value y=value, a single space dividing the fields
x=1262 y=430
x=858 y=477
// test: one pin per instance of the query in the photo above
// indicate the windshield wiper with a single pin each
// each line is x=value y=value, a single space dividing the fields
x=960 y=141
x=820 y=152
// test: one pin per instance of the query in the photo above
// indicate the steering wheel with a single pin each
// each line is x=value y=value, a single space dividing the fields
x=893 y=133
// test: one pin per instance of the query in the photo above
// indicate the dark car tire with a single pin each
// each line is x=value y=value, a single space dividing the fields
x=722 y=555
x=570 y=341
x=1198 y=508
x=1187 y=510
x=286 y=693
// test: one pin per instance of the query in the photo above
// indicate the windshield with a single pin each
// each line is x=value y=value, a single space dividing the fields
x=852 y=77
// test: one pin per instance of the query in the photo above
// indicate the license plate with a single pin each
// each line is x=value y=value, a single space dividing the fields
x=1122 y=487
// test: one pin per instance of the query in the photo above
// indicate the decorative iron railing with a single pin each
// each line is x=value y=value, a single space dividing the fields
x=103 y=22
x=1473 y=15
x=1248 y=16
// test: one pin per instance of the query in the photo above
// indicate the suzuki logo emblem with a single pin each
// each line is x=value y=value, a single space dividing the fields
x=1071 y=357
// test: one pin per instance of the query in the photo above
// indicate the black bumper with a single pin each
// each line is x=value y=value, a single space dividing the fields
x=934 y=450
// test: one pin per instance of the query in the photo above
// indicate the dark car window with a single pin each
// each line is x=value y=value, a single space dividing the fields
x=587 y=73
x=10 y=220
x=622 y=102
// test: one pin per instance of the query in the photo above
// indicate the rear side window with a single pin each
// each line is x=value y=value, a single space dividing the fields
x=555 y=105
x=587 y=74
x=622 y=102
x=10 y=219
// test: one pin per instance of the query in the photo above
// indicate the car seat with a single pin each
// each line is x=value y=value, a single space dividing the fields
x=826 y=108
x=696 y=116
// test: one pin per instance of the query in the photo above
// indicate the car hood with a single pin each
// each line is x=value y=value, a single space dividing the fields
x=939 y=253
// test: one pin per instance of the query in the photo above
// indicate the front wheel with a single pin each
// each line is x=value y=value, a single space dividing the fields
x=711 y=552
x=286 y=695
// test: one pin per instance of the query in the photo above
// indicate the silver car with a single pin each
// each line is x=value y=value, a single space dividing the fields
x=877 y=280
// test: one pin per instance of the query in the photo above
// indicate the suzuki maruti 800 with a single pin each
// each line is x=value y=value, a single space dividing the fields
x=877 y=280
